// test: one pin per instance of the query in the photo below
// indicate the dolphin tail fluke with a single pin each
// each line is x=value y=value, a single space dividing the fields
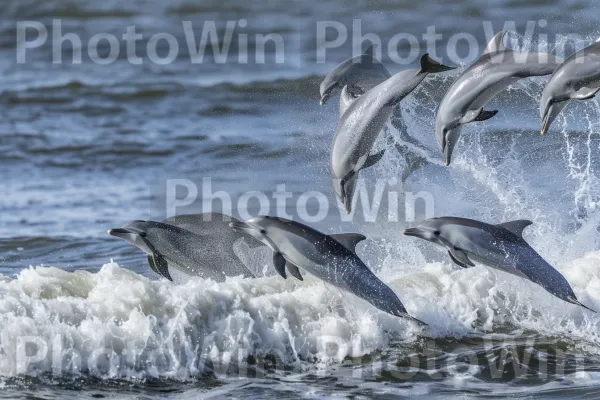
x=575 y=301
x=429 y=65
x=413 y=161
x=417 y=321
x=373 y=159
x=398 y=310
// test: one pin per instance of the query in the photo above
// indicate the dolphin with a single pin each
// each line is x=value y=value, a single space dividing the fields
x=498 y=246
x=331 y=258
x=360 y=125
x=577 y=78
x=362 y=73
x=198 y=246
x=495 y=70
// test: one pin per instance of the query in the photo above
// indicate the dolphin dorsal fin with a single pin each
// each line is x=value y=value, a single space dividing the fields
x=517 y=226
x=348 y=240
x=496 y=44
x=370 y=51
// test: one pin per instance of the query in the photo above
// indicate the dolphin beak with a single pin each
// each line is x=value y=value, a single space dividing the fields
x=552 y=111
x=239 y=226
x=545 y=123
x=347 y=205
x=450 y=139
x=118 y=232
x=446 y=157
x=324 y=98
x=411 y=232
x=447 y=153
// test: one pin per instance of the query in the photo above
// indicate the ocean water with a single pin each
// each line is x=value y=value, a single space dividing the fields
x=87 y=147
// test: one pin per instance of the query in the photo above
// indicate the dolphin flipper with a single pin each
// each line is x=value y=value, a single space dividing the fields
x=279 y=264
x=152 y=266
x=160 y=265
x=294 y=271
x=355 y=91
x=348 y=240
x=477 y=115
x=460 y=257
x=585 y=93
x=485 y=115
x=456 y=261
x=373 y=159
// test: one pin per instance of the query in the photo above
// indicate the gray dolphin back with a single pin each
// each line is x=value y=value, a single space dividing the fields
x=201 y=245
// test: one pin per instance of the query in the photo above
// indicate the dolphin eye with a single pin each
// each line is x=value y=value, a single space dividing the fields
x=436 y=233
x=262 y=231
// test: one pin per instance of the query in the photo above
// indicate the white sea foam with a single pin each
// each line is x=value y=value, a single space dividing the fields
x=121 y=324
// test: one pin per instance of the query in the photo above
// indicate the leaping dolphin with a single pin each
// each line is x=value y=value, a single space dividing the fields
x=331 y=258
x=495 y=70
x=361 y=123
x=498 y=246
x=362 y=73
x=578 y=78
x=201 y=245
